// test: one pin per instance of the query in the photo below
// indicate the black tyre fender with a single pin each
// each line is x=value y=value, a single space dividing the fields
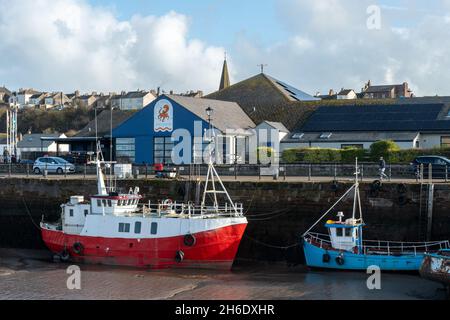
x=64 y=255
x=326 y=258
x=376 y=185
x=189 y=240
x=179 y=256
x=59 y=171
x=340 y=260
x=37 y=171
x=78 y=248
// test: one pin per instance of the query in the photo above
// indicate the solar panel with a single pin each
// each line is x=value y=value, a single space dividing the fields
x=406 y=117
x=294 y=92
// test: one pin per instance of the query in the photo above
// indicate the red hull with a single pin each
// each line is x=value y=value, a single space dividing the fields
x=215 y=248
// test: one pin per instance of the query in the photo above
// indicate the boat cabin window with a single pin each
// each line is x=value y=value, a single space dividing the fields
x=71 y=212
x=124 y=227
x=339 y=232
x=154 y=228
x=137 y=227
x=86 y=212
x=129 y=202
x=348 y=232
x=104 y=202
x=109 y=203
x=99 y=203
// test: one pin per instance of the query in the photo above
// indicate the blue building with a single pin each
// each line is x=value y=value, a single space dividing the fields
x=146 y=137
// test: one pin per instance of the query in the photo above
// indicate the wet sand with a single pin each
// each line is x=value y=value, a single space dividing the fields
x=28 y=274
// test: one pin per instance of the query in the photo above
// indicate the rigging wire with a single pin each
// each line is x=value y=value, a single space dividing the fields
x=29 y=214
x=271 y=245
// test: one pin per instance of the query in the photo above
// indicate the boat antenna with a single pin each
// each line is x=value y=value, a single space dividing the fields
x=357 y=199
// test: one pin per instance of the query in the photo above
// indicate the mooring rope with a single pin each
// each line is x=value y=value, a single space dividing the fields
x=270 y=245
x=29 y=214
x=276 y=215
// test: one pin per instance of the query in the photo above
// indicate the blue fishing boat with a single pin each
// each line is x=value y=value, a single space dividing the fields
x=344 y=247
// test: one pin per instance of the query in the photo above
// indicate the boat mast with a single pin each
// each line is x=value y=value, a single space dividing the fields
x=356 y=198
x=212 y=174
x=101 y=187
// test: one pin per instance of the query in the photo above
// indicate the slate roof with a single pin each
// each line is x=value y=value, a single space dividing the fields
x=34 y=140
x=135 y=94
x=345 y=92
x=352 y=137
x=394 y=117
x=104 y=123
x=5 y=90
x=262 y=100
x=226 y=115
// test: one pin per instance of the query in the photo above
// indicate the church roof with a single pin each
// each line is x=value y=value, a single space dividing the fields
x=225 y=78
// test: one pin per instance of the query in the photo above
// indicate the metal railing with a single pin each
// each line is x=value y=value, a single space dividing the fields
x=191 y=210
x=307 y=171
x=382 y=247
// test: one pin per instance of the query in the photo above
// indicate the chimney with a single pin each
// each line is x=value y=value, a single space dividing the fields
x=331 y=92
x=171 y=92
x=158 y=92
x=77 y=93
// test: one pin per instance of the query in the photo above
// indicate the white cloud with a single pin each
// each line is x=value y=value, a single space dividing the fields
x=70 y=44
x=341 y=52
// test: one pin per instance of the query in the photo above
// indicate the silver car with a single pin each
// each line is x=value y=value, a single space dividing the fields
x=53 y=165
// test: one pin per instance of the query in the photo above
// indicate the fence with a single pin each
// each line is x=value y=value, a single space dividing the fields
x=284 y=171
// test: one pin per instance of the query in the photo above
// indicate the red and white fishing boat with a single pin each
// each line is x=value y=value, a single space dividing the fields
x=114 y=229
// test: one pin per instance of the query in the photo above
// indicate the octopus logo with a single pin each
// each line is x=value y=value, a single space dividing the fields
x=164 y=113
x=163 y=116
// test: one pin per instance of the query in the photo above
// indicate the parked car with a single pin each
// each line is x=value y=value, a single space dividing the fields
x=53 y=165
x=440 y=166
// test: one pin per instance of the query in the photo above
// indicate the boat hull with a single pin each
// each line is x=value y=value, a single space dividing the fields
x=215 y=248
x=352 y=261
x=436 y=268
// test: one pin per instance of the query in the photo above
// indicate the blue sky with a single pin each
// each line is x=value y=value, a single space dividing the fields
x=314 y=45
x=215 y=21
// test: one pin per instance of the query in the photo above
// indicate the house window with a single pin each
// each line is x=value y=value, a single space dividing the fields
x=154 y=228
x=137 y=227
x=71 y=212
x=162 y=150
x=298 y=136
x=445 y=142
x=124 y=227
x=126 y=149
x=326 y=135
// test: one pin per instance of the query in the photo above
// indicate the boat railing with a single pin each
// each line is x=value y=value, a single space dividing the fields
x=192 y=210
x=396 y=248
x=383 y=247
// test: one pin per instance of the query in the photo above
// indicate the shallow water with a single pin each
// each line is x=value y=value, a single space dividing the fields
x=28 y=274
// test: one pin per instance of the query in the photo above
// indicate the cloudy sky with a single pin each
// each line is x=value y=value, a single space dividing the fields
x=315 y=45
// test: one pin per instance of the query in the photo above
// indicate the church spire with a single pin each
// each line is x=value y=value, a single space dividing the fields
x=225 y=79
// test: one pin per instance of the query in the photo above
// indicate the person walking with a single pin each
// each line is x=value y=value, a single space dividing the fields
x=382 y=169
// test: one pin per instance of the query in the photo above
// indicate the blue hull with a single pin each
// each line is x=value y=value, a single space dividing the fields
x=351 y=261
